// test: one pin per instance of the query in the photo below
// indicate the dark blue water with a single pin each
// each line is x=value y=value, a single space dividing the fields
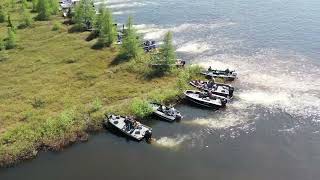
x=270 y=131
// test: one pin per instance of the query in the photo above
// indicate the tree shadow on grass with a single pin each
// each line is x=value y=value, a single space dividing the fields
x=93 y=35
x=121 y=58
x=153 y=73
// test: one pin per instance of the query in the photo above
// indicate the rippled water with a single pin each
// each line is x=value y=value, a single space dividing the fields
x=270 y=130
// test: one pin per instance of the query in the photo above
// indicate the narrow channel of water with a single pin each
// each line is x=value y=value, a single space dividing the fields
x=271 y=130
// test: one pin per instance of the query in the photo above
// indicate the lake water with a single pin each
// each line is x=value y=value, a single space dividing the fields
x=270 y=131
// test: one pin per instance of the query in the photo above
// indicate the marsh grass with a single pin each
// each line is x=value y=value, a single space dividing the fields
x=55 y=88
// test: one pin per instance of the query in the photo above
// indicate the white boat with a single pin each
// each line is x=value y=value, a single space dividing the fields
x=224 y=90
x=205 y=99
x=130 y=127
x=166 y=113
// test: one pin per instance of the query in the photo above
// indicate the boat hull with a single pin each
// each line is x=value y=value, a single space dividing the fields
x=204 y=103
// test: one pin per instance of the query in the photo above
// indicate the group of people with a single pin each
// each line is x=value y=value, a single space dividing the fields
x=170 y=111
x=227 y=71
x=206 y=85
x=130 y=122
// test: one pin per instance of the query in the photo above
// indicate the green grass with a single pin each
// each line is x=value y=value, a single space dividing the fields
x=55 y=88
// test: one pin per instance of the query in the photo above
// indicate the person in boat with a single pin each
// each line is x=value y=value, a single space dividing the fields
x=210 y=85
x=171 y=111
x=227 y=71
x=210 y=68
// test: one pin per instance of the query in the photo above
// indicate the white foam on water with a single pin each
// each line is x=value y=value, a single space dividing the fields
x=157 y=32
x=126 y=5
x=122 y=12
x=170 y=142
x=221 y=122
x=194 y=47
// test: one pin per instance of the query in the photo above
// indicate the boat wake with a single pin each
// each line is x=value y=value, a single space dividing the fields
x=169 y=142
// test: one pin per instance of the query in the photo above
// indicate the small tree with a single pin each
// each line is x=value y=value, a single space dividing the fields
x=11 y=40
x=34 y=5
x=44 y=10
x=167 y=50
x=131 y=46
x=24 y=6
x=2 y=14
x=105 y=27
x=54 y=6
x=84 y=14
x=26 y=20
x=167 y=56
x=9 y=21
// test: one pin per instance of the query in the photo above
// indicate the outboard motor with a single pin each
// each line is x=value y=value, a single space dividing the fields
x=231 y=90
x=148 y=135
x=223 y=102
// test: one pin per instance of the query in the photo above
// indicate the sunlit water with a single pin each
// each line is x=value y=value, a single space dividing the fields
x=269 y=131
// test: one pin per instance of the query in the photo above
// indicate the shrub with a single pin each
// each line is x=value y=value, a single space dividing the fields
x=164 y=96
x=44 y=10
x=26 y=20
x=140 y=108
x=34 y=5
x=57 y=26
x=2 y=15
x=187 y=75
x=10 y=42
x=95 y=106
x=37 y=103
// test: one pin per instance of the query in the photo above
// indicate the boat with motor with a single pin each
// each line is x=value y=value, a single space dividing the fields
x=206 y=99
x=224 y=74
x=149 y=45
x=130 y=127
x=220 y=89
x=167 y=113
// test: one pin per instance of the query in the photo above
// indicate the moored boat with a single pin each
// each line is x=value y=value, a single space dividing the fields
x=224 y=74
x=205 y=99
x=166 y=113
x=130 y=127
x=224 y=90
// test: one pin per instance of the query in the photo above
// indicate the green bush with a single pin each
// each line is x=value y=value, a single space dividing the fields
x=57 y=26
x=2 y=15
x=10 y=42
x=164 y=96
x=95 y=106
x=141 y=108
x=187 y=75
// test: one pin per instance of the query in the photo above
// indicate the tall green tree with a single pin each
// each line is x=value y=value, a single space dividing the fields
x=167 y=50
x=84 y=15
x=11 y=39
x=105 y=26
x=131 y=45
x=44 y=10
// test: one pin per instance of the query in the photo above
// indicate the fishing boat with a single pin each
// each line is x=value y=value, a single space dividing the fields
x=149 y=45
x=224 y=90
x=205 y=99
x=167 y=113
x=224 y=74
x=130 y=127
